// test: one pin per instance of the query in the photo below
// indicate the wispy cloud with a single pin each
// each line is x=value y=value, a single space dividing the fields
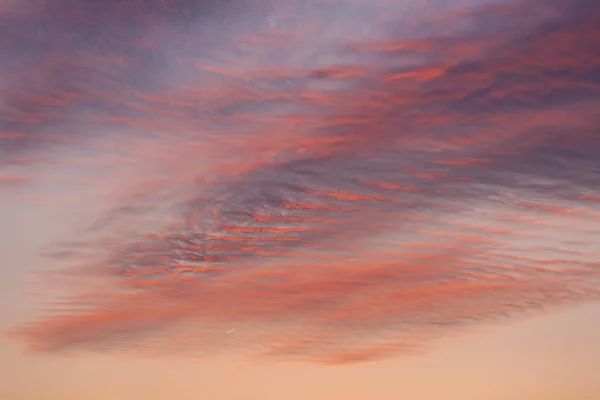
x=333 y=192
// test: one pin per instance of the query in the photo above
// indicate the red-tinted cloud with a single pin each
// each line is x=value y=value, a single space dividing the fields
x=403 y=185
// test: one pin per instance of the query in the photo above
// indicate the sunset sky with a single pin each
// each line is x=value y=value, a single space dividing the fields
x=300 y=199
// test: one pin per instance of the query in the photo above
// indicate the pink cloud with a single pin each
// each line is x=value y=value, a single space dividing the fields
x=423 y=180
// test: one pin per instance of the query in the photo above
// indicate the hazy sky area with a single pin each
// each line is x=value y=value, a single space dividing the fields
x=299 y=199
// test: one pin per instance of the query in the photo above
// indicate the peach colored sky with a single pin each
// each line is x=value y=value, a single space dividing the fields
x=322 y=199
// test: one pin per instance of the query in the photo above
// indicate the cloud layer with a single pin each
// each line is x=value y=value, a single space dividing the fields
x=338 y=181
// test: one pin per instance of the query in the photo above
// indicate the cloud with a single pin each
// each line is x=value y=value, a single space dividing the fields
x=406 y=184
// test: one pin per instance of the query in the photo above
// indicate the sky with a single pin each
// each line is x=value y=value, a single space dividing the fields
x=300 y=199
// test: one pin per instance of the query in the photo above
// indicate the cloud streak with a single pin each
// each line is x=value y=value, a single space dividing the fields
x=333 y=191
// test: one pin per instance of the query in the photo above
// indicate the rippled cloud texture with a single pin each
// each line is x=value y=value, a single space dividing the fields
x=338 y=181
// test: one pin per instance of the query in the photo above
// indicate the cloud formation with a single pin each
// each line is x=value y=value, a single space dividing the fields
x=338 y=181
